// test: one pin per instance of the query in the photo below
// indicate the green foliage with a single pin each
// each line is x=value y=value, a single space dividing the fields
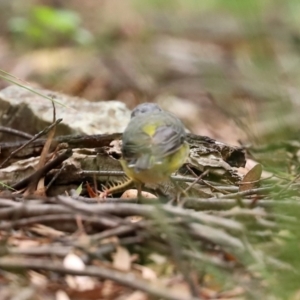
x=46 y=26
x=285 y=282
x=79 y=189
x=242 y=8
x=2 y=184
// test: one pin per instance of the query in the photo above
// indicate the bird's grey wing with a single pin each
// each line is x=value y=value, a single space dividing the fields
x=168 y=139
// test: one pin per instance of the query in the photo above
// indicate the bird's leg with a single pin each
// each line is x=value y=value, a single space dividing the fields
x=179 y=191
x=139 y=186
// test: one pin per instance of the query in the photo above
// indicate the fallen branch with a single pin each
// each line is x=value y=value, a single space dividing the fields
x=126 y=279
x=44 y=170
x=35 y=137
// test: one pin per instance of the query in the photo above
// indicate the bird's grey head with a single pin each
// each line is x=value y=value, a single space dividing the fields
x=145 y=108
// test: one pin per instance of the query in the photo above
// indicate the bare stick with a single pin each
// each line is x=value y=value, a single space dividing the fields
x=55 y=218
x=16 y=132
x=46 y=130
x=126 y=279
x=44 y=170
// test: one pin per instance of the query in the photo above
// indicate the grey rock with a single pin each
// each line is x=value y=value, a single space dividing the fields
x=23 y=110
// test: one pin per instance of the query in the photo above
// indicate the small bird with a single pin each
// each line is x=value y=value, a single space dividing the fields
x=153 y=145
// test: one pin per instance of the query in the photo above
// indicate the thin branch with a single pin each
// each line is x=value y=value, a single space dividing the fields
x=120 y=230
x=247 y=193
x=58 y=218
x=34 y=183
x=56 y=175
x=217 y=203
x=44 y=170
x=36 y=136
x=29 y=210
x=16 y=132
x=126 y=279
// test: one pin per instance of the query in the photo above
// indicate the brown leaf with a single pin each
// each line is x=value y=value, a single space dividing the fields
x=250 y=180
x=122 y=260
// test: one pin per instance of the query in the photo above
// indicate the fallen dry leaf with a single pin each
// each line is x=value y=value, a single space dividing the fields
x=81 y=283
x=250 y=180
x=146 y=272
x=122 y=260
x=61 y=295
x=38 y=279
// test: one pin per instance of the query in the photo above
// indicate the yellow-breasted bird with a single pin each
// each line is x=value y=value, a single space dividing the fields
x=153 y=145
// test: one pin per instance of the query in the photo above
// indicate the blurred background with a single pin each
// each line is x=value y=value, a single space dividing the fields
x=229 y=69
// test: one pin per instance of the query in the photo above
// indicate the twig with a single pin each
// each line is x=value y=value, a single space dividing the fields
x=36 y=136
x=74 y=141
x=8 y=202
x=55 y=218
x=29 y=210
x=199 y=178
x=42 y=250
x=126 y=279
x=119 y=209
x=288 y=185
x=247 y=193
x=208 y=259
x=58 y=250
x=128 y=209
x=204 y=218
x=34 y=183
x=204 y=182
x=125 y=209
x=54 y=178
x=44 y=170
x=106 y=248
x=176 y=252
x=82 y=207
x=213 y=185
x=216 y=236
x=15 y=132
x=217 y=203
x=120 y=230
